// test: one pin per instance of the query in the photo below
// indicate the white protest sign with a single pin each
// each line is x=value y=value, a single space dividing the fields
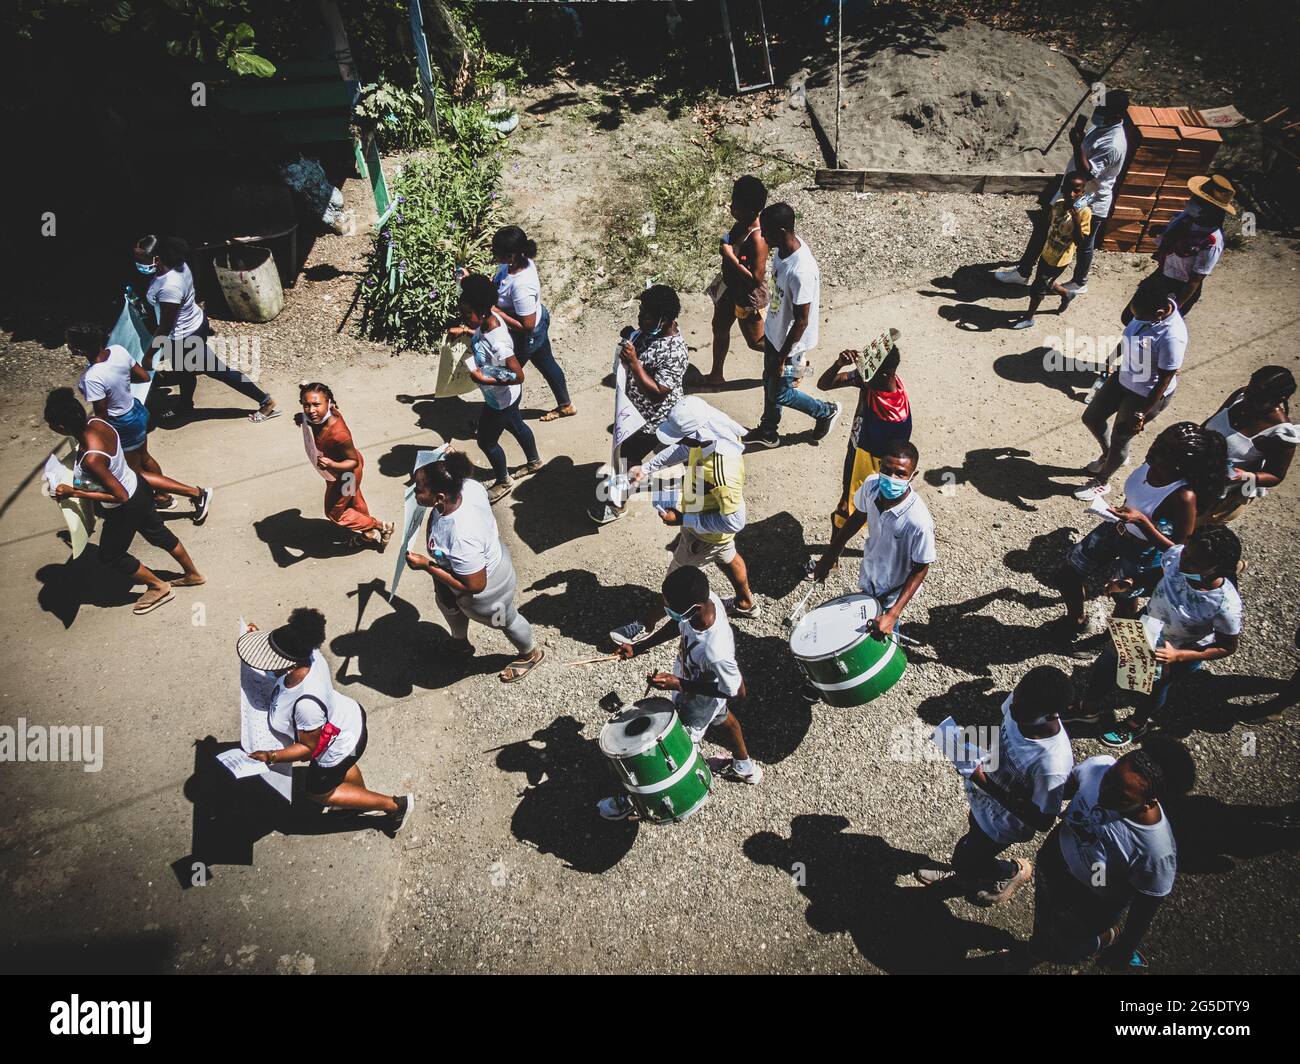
x=627 y=420
x=413 y=515
x=1137 y=667
x=313 y=452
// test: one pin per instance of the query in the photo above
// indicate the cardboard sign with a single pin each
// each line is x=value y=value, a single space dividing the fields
x=453 y=375
x=413 y=515
x=871 y=357
x=313 y=452
x=1137 y=669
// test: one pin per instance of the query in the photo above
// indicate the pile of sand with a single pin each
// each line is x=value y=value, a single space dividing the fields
x=924 y=92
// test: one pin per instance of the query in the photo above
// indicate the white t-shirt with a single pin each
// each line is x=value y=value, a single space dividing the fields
x=798 y=281
x=490 y=350
x=1206 y=255
x=519 y=293
x=1107 y=852
x=1106 y=148
x=1032 y=769
x=897 y=541
x=1150 y=346
x=710 y=656
x=468 y=535
x=177 y=286
x=309 y=705
x=1191 y=615
x=111 y=380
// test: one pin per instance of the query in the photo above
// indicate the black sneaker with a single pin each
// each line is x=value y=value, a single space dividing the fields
x=405 y=807
x=754 y=438
x=825 y=424
x=201 y=505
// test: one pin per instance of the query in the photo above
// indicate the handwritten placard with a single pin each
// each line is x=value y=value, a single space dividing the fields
x=871 y=357
x=1137 y=662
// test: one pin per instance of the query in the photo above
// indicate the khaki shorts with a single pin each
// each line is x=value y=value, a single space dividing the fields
x=692 y=550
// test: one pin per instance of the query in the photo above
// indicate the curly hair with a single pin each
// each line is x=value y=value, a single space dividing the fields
x=316 y=386
x=1201 y=459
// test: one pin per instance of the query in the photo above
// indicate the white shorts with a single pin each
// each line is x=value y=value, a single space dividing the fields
x=692 y=549
x=699 y=714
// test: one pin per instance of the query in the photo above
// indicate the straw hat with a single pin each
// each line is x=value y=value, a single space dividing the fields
x=280 y=648
x=1215 y=189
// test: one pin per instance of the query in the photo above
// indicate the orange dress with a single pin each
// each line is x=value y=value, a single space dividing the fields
x=344 y=503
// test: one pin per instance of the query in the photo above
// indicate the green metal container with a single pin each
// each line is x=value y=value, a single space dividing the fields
x=837 y=651
x=653 y=757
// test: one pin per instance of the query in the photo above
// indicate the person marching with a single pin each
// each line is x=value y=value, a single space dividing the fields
x=1113 y=851
x=712 y=509
x=791 y=331
x=704 y=677
x=655 y=356
x=899 y=548
x=328 y=726
x=1255 y=421
x=125 y=502
x=1199 y=608
x=1192 y=243
x=106 y=386
x=1151 y=352
x=742 y=296
x=337 y=454
x=1069 y=224
x=183 y=330
x=883 y=414
x=1184 y=471
x=519 y=305
x=473 y=576
x=496 y=369
x=1021 y=796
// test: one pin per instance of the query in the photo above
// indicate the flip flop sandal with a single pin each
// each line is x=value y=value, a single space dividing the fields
x=262 y=414
x=518 y=669
x=144 y=604
x=190 y=581
x=558 y=412
x=386 y=532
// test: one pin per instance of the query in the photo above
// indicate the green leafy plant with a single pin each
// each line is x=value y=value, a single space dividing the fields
x=395 y=115
x=445 y=211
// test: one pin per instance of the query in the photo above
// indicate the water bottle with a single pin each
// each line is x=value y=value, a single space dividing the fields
x=1096 y=387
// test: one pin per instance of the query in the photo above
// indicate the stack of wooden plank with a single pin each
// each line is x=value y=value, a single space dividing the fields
x=1167 y=145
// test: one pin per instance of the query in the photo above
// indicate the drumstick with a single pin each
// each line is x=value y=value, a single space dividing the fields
x=794 y=613
x=592 y=661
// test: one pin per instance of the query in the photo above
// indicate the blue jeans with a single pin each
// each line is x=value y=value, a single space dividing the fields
x=1101 y=677
x=491 y=424
x=778 y=391
x=535 y=347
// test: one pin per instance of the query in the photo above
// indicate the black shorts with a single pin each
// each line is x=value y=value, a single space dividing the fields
x=323 y=780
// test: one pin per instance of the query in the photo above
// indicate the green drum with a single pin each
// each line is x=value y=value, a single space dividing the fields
x=654 y=759
x=839 y=655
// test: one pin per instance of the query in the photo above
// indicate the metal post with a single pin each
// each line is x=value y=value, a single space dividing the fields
x=839 y=67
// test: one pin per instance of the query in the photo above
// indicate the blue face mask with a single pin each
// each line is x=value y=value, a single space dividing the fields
x=1197 y=579
x=144 y=269
x=656 y=332
x=892 y=487
x=680 y=618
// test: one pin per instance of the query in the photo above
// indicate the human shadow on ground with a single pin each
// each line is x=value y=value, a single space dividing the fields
x=774 y=715
x=565 y=776
x=231 y=816
x=972 y=317
x=973 y=283
x=550 y=507
x=850 y=879
x=961 y=637
x=292 y=538
x=1044 y=556
x=84 y=581
x=1007 y=474
x=775 y=553
x=1213 y=835
x=1042 y=365
x=399 y=650
x=585 y=610
x=971 y=703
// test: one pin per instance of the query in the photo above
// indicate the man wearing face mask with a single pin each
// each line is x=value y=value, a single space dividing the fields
x=656 y=358
x=1099 y=150
x=1200 y=612
x=899 y=548
x=704 y=677
x=1113 y=851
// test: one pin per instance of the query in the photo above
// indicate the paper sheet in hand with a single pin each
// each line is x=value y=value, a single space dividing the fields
x=240 y=765
x=78 y=514
x=255 y=731
x=1101 y=508
x=956 y=747
x=1137 y=666
x=453 y=378
x=313 y=452
x=413 y=515
x=132 y=333
x=627 y=420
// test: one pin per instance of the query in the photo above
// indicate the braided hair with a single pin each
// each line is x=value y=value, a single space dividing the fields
x=316 y=386
x=1273 y=384
x=1222 y=545
x=1200 y=458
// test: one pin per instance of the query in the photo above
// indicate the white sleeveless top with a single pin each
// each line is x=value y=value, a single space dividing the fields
x=1242 y=451
x=1145 y=498
x=116 y=465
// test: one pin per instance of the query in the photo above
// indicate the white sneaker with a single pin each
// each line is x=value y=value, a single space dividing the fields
x=1094 y=489
x=1011 y=275
x=633 y=632
x=1075 y=288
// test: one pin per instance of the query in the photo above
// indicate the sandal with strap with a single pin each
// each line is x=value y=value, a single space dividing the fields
x=152 y=599
x=265 y=412
x=558 y=412
x=521 y=667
